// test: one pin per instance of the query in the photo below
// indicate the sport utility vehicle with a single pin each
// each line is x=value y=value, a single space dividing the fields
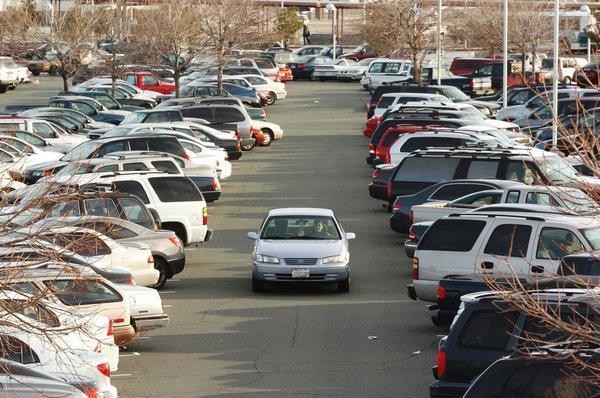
x=488 y=328
x=498 y=245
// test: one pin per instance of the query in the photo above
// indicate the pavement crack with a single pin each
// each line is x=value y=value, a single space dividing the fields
x=255 y=368
x=295 y=332
x=203 y=314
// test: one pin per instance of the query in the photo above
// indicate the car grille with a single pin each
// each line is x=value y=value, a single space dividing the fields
x=312 y=277
x=300 y=261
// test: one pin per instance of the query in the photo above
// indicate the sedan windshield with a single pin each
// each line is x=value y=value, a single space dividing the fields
x=300 y=227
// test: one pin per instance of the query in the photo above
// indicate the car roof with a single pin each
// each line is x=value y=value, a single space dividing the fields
x=573 y=219
x=301 y=211
x=499 y=183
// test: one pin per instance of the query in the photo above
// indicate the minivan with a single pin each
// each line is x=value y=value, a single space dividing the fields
x=384 y=70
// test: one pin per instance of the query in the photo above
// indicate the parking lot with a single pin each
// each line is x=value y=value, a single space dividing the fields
x=224 y=339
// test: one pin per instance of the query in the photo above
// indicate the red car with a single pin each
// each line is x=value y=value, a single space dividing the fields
x=149 y=81
x=466 y=66
x=588 y=76
x=361 y=52
x=382 y=152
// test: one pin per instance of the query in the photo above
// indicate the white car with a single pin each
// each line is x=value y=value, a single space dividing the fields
x=45 y=130
x=272 y=90
x=24 y=155
x=41 y=352
x=100 y=250
x=330 y=71
x=71 y=330
x=301 y=245
x=355 y=71
x=204 y=155
x=521 y=111
x=271 y=131
x=123 y=84
x=390 y=100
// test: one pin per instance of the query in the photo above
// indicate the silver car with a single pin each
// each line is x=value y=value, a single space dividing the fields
x=301 y=245
x=166 y=247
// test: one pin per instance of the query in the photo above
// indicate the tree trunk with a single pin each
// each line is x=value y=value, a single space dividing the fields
x=176 y=76
x=533 y=52
x=416 y=68
x=65 y=80
x=113 y=74
x=523 y=64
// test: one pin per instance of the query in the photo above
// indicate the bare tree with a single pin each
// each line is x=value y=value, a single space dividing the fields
x=227 y=25
x=400 y=27
x=13 y=29
x=484 y=23
x=71 y=38
x=172 y=33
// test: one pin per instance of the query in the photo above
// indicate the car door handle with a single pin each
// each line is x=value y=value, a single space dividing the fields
x=487 y=265
x=538 y=269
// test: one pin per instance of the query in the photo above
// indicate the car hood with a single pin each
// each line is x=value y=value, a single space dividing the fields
x=46 y=165
x=299 y=248
x=479 y=104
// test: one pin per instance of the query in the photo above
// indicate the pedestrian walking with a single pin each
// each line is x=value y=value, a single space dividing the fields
x=306 y=34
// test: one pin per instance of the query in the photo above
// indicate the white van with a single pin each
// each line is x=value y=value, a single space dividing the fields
x=567 y=66
x=390 y=99
x=385 y=70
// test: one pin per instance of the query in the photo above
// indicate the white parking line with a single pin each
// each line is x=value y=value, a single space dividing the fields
x=121 y=375
x=167 y=292
x=142 y=337
x=133 y=354
x=174 y=280
x=167 y=306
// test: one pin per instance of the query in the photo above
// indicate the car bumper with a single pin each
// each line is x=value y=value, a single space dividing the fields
x=146 y=277
x=409 y=247
x=378 y=191
x=234 y=154
x=224 y=170
x=176 y=265
x=200 y=234
x=277 y=134
x=318 y=274
x=123 y=335
x=211 y=196
x=146 y=324
x=325 y=75
x=442 y=318
x=426 y=290
x=399 y=222
x=247 y=141
x=441 y=389
x=109 y=391
x=410 y=292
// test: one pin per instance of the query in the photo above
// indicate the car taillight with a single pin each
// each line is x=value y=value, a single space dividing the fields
x=415 y=268
x=204 y=216
x=110 y=331
x=104 y=368
x=214 y=185
x=301 y=66
x=396 y=207
x=130 y=281
x=410 y=219
x=441 y=362
x=238 y=146
x=389 y=189
x=175 y=240
x=371 y=147
x=379 y=152
x=150 y=260
x=412 y=235
x=376 y=174
x=186 y=156
x=441 y=292
x=388 y=157
x=92 y=392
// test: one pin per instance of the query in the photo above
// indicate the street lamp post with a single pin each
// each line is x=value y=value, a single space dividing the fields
x=555 y=75
x=439 y=42
x=331 y=7
x=505 y=55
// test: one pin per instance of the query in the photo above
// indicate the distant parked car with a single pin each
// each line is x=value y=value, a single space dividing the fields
x=361 y=52
x=304 y=68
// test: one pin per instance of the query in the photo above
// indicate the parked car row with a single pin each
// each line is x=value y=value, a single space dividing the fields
x=100 y=197
x=483 y=213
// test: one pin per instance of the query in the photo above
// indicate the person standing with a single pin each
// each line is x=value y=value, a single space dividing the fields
x=306 y=34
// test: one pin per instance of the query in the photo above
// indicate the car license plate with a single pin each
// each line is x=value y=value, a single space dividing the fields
x=300 y=273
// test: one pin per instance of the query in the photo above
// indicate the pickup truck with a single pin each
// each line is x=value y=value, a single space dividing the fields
x=571 y=199
x=574 y=271
x=149 y=81
x=488 y=79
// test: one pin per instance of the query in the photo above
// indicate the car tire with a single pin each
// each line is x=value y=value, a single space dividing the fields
x=257 y=286
x=271 y=98
x=162 y=267
x=312 y=77
x=36 y=73
x=269 y=137
x=344 y=286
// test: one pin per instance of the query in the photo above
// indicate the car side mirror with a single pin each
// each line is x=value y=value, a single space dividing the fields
x=350 y=235
x=252 y=235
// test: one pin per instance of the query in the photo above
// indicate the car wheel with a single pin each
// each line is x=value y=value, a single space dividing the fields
x=567 y=80
x=257 y=286
x=268 y=137
x=35 y=73
x=344 y=286
x=271 y=97
x=312 y=77
x=161 y=265
x=249 y=147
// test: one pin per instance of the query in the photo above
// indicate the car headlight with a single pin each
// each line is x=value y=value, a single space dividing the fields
x=259 y=258
x=335 y=259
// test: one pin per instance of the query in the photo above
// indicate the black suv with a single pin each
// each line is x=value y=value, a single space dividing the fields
x=487 y=328
x=546 y=375
x=98 y=148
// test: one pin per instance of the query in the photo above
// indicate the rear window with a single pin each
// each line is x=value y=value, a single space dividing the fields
x=164 y=144
x=165 y=165
x=228 y=115
x=132 y=187
x=455 y=191
x=83 y=292
x=385 y=102
x=442 y=235
x=82 y=243
x=175 y=189
x=136 y=212
x=418 y=169
x=389 y=138
x=101 y=208
x=584 y=266
x=488 y=330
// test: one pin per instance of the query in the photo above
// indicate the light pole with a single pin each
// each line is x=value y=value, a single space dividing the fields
x=555 y=75
x=439 y=42
x=331 y=7
x=505 y=55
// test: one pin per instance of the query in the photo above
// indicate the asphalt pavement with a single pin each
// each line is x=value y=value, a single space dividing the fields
x=224 y=340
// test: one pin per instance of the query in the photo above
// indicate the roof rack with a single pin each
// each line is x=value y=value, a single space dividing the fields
x=510 y=215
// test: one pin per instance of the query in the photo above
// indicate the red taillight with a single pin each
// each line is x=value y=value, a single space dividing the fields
x=186 y=156
x=441 y=363
x=110 y=328
x=371 y=147
x=388 y=157
x=150 y=260
x=238 y=146
x=175 y=240
x=376 y=174
x=204 y=216
x=396 y=207
x=118 y=320
x=104 y=368
x=415 y=268
x=410 y=219
x=412 y=235
x=214 y=185
x=92 y=392
x=301 y=66
x=441 y=292
x=389 y=189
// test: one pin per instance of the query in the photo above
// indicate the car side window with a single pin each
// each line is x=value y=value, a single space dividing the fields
x=108 y=168
x=555 y=243
x=509 y=240
x=43 y=130
x=112 y=147
x=133 y=188
x=484 y=71
x=165 y=165
x=483 y=169
x=540 y=198
x=100 y=208
x=134 y=210
x=16 y=350
x=488 y=330
x=66 y=209
x=150 y=81
x=513 y=197
x=134 y=166
x=130 y=79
